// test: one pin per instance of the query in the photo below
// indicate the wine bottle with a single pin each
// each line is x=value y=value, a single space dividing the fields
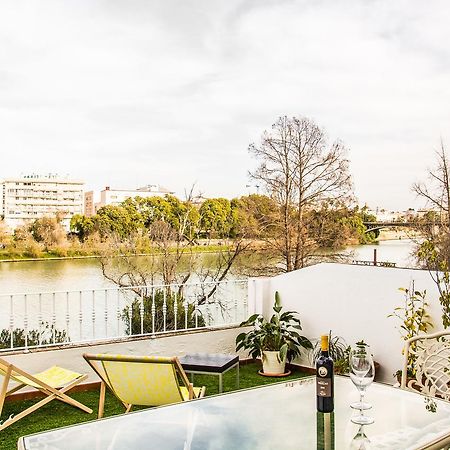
x=324 y=379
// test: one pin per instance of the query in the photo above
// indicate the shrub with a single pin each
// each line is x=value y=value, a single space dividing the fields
x=131 y=315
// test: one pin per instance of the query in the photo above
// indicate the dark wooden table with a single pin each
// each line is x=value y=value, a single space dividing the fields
x=210 y=364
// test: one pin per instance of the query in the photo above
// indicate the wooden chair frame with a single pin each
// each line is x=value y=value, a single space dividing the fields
x=10 y=371
x=93 y=361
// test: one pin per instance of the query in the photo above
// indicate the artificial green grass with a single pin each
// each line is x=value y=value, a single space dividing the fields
x=57 y=414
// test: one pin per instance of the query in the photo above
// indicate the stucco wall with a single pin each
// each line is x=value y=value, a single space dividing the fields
x=353 y=301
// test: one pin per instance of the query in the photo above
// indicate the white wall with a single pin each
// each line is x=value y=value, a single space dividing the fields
x=217 y=341
x=353 y=301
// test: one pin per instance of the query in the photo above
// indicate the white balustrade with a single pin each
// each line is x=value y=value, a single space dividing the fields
x=71 y=317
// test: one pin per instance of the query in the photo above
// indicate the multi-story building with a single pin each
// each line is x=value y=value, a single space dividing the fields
x=29 y=197
x=115 y=197
x=89 y=204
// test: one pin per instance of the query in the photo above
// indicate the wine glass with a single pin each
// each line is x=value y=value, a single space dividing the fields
x=362 y=372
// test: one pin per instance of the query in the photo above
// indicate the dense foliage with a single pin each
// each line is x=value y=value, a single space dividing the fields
x=48 y=334
x=139 y=317
x=255 y=217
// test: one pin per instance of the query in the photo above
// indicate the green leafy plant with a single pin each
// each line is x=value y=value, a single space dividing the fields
x=414 y=319
x=131 y=315
x=47 y=335
x=280 y=333
x=342 y=365
x=339 y=352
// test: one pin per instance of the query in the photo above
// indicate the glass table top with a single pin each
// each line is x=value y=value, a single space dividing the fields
x=279 y=416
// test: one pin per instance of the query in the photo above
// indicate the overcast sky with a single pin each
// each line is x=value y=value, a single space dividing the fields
x=134 y=92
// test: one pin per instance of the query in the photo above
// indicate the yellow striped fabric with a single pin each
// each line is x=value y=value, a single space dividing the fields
x=143 y=383
x=55 y=377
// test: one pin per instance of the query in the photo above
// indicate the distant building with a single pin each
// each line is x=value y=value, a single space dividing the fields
x=115 y=197
x=384 y=215
x=89 y=204
x=29 y=197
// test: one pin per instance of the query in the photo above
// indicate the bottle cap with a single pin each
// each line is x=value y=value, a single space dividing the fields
x=324 y=342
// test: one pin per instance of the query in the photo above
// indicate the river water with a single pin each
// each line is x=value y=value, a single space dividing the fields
x=80 y=274
x=93 y=311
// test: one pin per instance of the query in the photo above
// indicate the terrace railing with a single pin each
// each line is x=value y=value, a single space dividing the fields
x=31 y=320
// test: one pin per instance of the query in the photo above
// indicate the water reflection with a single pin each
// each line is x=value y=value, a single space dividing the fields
x=325 y=431
x=360 y=441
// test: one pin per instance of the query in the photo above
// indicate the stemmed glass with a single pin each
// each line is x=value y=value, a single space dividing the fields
x=360 y=440
x=362 y=372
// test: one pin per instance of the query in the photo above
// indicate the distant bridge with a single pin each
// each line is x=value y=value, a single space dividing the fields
x=375 y=226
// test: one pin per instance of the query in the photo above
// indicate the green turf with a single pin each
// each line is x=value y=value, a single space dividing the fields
x=57 y=414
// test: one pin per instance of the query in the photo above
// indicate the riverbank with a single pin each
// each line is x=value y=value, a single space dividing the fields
x=397 y=234
x=49 y=256
x=70 y=274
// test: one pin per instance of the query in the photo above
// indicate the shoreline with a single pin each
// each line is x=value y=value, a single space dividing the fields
x=62 y=258
x=384 y=237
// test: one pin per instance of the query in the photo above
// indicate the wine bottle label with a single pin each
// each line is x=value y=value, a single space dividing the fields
x=323 y=386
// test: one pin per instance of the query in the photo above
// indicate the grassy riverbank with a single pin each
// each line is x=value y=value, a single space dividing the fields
x=8 y=256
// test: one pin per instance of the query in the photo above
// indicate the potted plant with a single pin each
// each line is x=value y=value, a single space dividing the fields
x=339 y=352
x=414 y=319
x=276 y=340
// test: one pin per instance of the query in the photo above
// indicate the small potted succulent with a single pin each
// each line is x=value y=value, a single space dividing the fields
x=276 y=340
x=340 y=353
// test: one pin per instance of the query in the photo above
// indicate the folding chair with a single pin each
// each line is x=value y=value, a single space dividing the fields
x=53 y=382
x=142 y=380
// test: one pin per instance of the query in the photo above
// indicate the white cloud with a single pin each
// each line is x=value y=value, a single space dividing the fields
x=129 y=93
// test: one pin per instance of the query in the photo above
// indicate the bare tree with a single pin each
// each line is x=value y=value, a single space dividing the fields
x=299 y=170
x=172 y=258
x=437 y=191
x=435 y=226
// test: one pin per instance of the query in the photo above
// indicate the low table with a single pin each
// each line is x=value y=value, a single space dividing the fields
x=210 y=364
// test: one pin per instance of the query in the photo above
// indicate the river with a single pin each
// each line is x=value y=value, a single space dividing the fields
x=81 y=274
x=92 y=311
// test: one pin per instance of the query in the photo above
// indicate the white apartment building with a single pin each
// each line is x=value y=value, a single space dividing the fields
x=115 y=197
x=29 y=197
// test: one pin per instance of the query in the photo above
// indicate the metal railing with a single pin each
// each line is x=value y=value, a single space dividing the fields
x=31 y=320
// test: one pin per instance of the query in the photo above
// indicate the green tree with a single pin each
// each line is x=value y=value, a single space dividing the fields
x=81 y=225
x=120 y=220
x=217 y=217
x=169 y=209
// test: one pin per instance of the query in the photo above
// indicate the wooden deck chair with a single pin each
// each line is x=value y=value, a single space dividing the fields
x=142 y=380
x=53 y=382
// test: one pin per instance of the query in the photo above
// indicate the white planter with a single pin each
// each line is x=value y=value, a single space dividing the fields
x=272 y=364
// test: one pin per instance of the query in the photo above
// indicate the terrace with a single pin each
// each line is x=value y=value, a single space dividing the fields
x=353 y=301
